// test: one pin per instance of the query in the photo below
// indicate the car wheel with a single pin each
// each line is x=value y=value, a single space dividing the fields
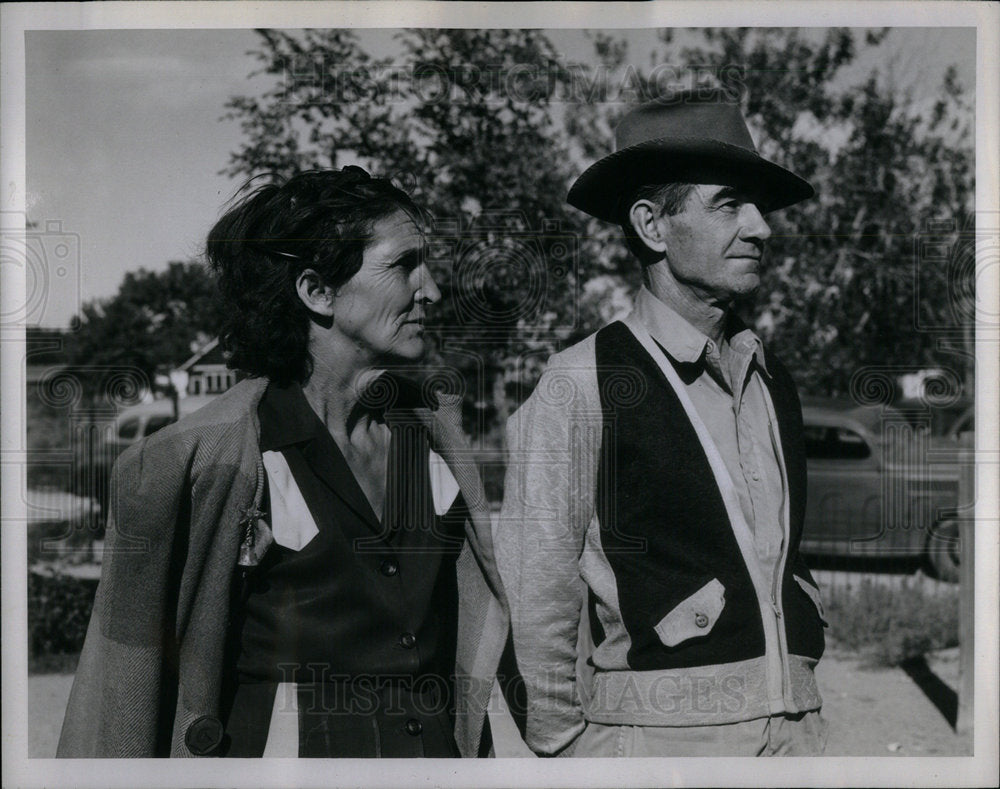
x=944 y=551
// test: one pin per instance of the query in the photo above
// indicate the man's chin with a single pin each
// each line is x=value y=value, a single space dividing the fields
x=745 y=292
x=748 y=286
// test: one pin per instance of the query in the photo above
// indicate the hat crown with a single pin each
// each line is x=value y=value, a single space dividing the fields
x=698 y=137
x=699 y=114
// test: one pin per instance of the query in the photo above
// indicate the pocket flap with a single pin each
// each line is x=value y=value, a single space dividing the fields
x=813 y=594
x=693 y=617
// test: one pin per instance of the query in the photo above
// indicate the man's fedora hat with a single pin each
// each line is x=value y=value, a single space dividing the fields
x=690 y=137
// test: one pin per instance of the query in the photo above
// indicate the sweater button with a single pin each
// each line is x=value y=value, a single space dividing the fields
x=414 y=727
x=701 y=620
x=204 y=735
x=388 y=568
x=408 y=640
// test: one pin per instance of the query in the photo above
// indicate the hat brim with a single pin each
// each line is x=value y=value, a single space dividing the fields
x=602 y=188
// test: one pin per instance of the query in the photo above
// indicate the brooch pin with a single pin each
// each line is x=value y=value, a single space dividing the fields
x=256 y=537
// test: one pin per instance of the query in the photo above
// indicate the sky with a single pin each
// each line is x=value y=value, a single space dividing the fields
x=125 y=141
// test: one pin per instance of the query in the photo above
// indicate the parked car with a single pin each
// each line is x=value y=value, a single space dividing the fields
x=96 y=456
x=878 y=486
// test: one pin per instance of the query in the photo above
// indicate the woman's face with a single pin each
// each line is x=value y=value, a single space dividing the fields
x=381 y=309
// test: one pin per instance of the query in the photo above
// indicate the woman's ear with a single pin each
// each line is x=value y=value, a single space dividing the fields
x=646 y=217
x=317 y=296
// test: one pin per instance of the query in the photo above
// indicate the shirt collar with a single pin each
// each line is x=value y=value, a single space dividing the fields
x=683 y=341
x=286 y=417
x=745 y=343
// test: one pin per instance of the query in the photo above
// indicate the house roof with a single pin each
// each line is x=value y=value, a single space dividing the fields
x=210 y=353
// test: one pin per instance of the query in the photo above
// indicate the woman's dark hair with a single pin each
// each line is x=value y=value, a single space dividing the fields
x=318 y=219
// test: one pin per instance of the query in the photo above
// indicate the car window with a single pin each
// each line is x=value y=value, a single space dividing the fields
x=128 y=428
x=834 y=443
x=156 y=422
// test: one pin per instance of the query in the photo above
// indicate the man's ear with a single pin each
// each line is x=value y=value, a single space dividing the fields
x=645 y=217
x=315 y=294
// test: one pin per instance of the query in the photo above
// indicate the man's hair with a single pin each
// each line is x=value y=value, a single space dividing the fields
x=669 y=198
x=318 y=219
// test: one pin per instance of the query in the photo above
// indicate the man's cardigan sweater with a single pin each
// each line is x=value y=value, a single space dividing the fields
x=611 y=504
x=183 y=500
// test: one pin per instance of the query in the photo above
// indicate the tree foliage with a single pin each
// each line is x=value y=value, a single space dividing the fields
x=874 y=272
x=488 y=128
x=462 y=120
x=155 y=321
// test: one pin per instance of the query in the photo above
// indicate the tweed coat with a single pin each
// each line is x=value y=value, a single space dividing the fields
x=152 y=663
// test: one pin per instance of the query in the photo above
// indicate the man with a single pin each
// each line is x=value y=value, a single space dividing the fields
x=656 y=481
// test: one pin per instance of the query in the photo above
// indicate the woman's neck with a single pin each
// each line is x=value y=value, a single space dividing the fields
x=335 y=391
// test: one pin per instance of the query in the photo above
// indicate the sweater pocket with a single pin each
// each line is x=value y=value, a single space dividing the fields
x=694 y=616
x=813 y=594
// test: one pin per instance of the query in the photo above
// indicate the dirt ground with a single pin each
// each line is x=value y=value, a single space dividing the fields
x=884 y=712
x=872 y=711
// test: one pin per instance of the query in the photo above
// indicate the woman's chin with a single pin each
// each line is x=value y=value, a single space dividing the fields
x=409 y=352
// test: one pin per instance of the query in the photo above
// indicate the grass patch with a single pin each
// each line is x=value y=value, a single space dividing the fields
x=59 y=609
x=890 y=624
x=63 y=663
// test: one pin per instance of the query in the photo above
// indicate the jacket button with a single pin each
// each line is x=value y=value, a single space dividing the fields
x=414 y=727
x=204 y=735
x=388 y=568
x=408 y=640
x=701 y=620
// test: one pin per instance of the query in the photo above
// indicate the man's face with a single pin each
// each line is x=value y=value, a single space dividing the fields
x=716 y=242
x=382 y=307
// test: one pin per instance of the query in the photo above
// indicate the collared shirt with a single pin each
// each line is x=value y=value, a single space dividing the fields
x=726 y=387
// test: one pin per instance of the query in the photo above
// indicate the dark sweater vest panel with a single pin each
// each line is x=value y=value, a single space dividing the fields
x=664 y=525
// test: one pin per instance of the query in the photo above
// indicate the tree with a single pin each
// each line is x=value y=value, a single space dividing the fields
x=488 y=128
x=463 y=121
x=873 y=274
x=154 y=321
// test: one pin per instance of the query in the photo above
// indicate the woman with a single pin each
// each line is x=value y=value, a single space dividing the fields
x=282 y=567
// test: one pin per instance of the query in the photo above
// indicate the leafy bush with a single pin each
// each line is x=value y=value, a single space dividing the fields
x=889 y=624
x=59 y=609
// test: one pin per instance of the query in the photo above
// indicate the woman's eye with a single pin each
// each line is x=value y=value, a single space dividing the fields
x=407 y=263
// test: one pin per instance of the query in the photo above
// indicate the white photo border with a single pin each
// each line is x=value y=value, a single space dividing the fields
x=981 y=769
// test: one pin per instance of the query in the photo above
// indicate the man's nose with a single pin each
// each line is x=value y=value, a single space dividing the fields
x=427 y=289
x=752 y=224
